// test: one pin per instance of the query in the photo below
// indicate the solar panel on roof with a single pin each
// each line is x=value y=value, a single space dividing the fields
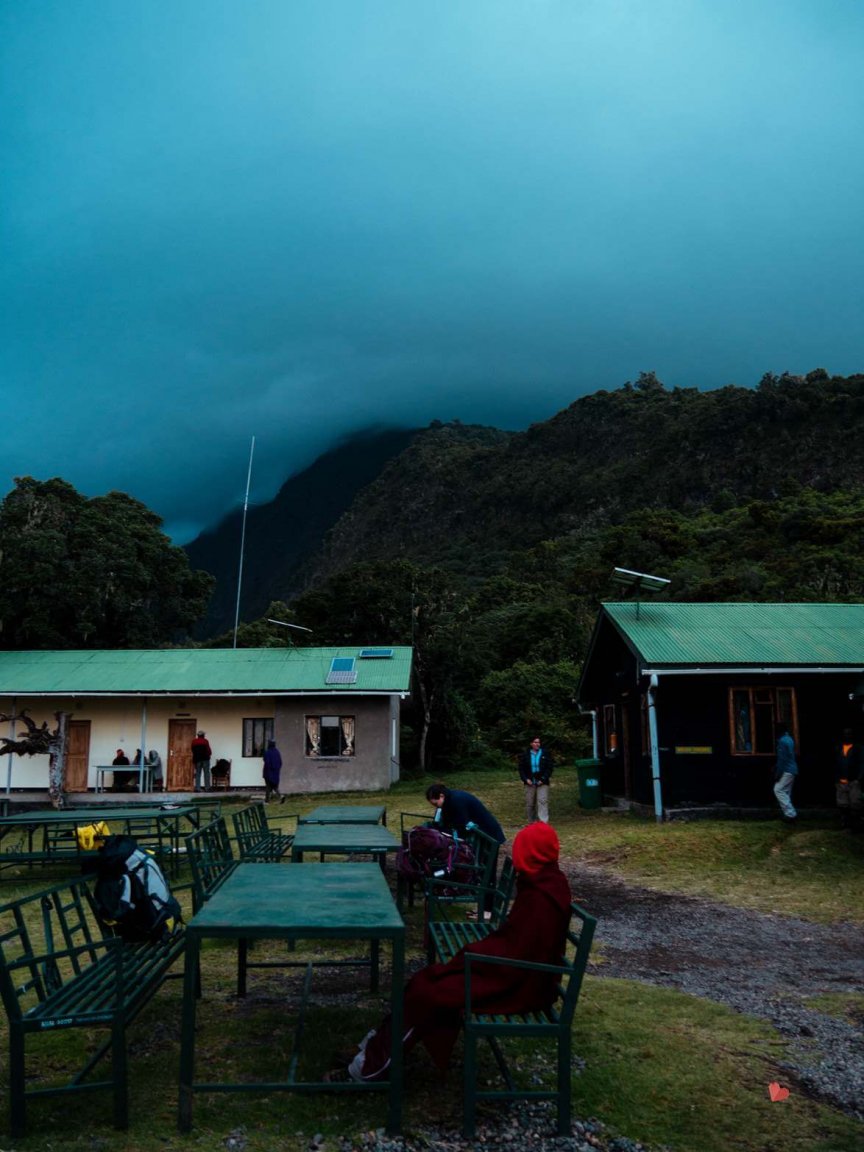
x=376 y=653
x=341 y=671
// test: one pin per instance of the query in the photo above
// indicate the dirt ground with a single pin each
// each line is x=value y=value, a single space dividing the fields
x=762 y=965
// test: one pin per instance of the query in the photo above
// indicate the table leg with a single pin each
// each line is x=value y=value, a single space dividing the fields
x=187 y=1034
x=374 y=965
x=397 y=981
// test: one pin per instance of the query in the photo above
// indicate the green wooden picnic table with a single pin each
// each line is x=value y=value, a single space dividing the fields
x=344 y=840
x=346 y=814
x=315 y=902
x=48 y=835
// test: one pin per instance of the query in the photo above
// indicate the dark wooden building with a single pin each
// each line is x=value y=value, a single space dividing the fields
x=685 y=697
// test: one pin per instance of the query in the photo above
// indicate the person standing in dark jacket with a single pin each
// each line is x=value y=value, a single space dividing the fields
x=849 y=778
x=201 y=756
x=457 y=811
x=535 y=772
x=272 y=768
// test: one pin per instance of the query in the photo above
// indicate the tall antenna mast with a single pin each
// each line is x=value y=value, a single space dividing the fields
x=243 y=541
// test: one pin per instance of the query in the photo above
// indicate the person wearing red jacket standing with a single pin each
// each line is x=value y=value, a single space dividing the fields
x=202 y=754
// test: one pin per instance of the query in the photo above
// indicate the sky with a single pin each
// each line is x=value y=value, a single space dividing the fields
x=292 y=219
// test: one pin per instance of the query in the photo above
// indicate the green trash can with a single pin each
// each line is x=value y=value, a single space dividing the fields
x=590 y=792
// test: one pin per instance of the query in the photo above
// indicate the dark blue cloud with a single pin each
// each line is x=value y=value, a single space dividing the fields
x=290 y=220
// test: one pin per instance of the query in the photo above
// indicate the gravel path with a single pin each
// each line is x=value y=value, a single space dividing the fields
x=686 y=943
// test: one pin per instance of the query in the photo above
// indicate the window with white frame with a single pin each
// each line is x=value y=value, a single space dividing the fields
x=256 y=732
x=329 y=736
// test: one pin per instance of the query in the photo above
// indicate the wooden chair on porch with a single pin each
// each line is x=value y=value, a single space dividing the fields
x=220 y=775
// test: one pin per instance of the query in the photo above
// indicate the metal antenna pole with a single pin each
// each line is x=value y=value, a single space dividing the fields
x=243 y=542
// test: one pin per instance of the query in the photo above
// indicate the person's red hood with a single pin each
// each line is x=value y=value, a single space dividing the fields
x=535 y=846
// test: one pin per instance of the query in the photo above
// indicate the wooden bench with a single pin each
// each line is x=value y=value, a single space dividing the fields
x=256 y=840
x=554 y=1026
x=448 y=930
x=53 y=837
x=60 y=969
x=211 y=860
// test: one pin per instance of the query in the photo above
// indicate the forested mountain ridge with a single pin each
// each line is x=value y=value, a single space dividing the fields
x=467 y=499
x=283 y=534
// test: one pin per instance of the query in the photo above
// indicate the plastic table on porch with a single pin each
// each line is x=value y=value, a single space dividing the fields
x=344 y=840
x=346 y=814
x=144 y=772
x=316 y=902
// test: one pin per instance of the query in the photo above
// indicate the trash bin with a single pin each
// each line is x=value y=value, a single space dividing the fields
x=590 y=792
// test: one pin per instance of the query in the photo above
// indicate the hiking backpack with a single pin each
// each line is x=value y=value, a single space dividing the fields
x=427 y=852
x=132 y=896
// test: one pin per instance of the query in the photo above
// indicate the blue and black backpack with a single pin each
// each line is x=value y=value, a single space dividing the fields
x=132 y=895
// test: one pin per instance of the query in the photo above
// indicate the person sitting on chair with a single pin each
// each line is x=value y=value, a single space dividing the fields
x=120 y=779
x=535 y=930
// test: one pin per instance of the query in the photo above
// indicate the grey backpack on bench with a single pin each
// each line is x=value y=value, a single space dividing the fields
x=132 y=896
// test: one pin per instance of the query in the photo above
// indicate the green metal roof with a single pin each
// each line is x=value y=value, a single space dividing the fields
x=199 y=671
x=739 y=634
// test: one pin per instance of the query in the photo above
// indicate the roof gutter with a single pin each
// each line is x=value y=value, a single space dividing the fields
x=754 y=669
x=655 y=747
x=167 y=694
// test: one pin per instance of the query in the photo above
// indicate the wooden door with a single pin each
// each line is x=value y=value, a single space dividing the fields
x=77 y=755
x=180 y=776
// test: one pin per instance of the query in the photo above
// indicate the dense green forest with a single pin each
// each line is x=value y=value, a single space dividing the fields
x=489 y=551
x=91 y=573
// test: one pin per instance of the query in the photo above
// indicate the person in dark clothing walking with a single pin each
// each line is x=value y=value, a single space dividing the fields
x=785 y=772
x=272 y=769
x=535 y=772
x=456 y=811
x=201 y=756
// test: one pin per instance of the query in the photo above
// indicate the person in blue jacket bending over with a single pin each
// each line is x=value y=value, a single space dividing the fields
x=460 y=811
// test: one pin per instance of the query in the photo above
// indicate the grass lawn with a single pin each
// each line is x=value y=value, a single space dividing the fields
x=811 y=870
x=661 y=1067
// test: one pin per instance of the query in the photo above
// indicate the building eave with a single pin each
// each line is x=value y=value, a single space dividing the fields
x=753 y=670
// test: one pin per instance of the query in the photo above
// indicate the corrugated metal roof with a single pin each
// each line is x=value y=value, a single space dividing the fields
x=738 y=634
x=184 y=671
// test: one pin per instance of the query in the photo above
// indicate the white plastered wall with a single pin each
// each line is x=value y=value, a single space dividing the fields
x=116 y=723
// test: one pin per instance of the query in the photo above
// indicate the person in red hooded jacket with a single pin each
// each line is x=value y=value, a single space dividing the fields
x=535 y=929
